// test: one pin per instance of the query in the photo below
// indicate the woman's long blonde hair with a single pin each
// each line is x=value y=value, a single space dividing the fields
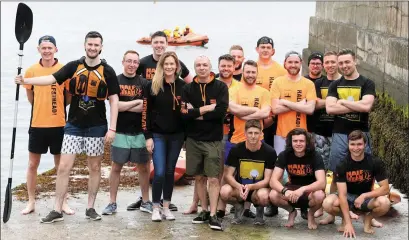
x=158 y=78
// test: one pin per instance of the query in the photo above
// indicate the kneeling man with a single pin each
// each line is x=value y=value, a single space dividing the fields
x=253 y=162
x=355 y=177
x=306 y=177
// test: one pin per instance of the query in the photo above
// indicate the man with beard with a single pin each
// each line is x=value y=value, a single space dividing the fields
x=237 y=52
x=204 y=106
x=306 y=185
x=247 y=102
x=91 y=81
x=355 y=177
x=248 y=171
x=130 y=144
x=147 y=66
x=350 y=99
x=293 y=97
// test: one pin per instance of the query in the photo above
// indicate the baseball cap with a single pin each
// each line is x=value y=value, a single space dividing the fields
x=291 y=54
x=47 y=38
x=265 y=40
x=315 y=55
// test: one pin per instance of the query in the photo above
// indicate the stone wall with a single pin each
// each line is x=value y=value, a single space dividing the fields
x=378 y=33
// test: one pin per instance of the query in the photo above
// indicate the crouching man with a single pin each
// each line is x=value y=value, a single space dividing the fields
x=306 y=177
x=355 y=177
x=253 y=162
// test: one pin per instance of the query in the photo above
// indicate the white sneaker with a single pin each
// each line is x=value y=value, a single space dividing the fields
x=167 y=214
x=156 y=215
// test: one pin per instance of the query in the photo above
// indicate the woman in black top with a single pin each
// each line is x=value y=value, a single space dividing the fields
x=164 y=130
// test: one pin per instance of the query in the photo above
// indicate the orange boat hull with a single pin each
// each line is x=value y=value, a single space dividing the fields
x=189 y=40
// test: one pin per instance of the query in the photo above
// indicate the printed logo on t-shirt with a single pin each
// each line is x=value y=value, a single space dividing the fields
x=256 y=102
x=150 y=72
x=271 y=80
x=299 y=169
x=350 y=93
x=287 y=93
x=244 y=101
x=324 y=116
x=259 y=80
x=359 y=176
x=251 y=171
x=130 y=91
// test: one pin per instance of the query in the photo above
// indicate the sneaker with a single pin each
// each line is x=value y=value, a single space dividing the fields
x=136 y=205
x=110 y=209
x=167 y=214
x=146 y=207
x=220 y=214
x=53 y=216
x=249 y=214
x=271 y=211
x=304 y=213
x=215 y=223
x=238 y=213
x=202 y=217
x=90 y=213
x=259 y=219
x=156 y=215
x=172 y=207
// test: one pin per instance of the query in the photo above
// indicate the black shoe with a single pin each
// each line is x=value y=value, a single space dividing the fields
x=135 y=206
x=90 y=213
x=202 y=218
x=220 y=213
x=215 y=223
x=53 y=216
x=232 y=209
x=271 y=211
x=304 y=213
x=249 y=214
x=172 y=207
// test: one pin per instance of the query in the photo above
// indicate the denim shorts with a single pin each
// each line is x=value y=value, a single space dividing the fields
x=97 y=131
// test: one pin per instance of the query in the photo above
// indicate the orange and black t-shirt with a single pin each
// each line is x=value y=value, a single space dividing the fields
x=360 y=175
x=229 y=117
x=301 y=170
x=266 y=76
x=284 y=88
x=48 y=109
x=251 y=97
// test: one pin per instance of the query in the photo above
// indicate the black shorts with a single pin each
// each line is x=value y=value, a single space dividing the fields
x=40 y=139
x=270 y=132
x=303 y=201
x=248 y=199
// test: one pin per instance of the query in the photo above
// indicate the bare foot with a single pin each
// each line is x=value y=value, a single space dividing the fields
x=353 y=215
x=192 y=210
x=368 y=224
x=66 y=209
x=375 y=223
x=319 y=213
x=341 y=228
x=291 y=218
x=29 y=209
x=328 y=220
x=311 y=221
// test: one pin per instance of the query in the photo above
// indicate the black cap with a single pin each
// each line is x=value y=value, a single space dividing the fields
x=316 y=55
x=292 y=53
x=265 y=40
x=47 y=38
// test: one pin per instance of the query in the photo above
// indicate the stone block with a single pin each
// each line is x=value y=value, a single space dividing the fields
x=375 y=47
x=398 y=52
x=361 y=55
x=360 y=39
x=329 y=11
x=320 y=9
x=321 y=29
x=404 y=8
x=333 y=34
x=326 y=28
x=313 y=42
x=372 y=73
x=404 y=27
x=347 y=36
x=313 y=27
x=396 y=89
x=344 y=12
x=362 y=14
x=305 y=53
x=392 y=13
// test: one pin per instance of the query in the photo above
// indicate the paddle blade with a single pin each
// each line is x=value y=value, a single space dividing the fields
x=7 y=202
x=24 y=23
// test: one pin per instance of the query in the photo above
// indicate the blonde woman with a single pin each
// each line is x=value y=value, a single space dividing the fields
x=164 y=130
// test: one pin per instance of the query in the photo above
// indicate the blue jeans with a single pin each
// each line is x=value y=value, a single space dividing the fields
x=165 y=155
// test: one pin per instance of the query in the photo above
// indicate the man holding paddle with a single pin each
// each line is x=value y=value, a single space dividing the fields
x=47 y=117
x=91 y=81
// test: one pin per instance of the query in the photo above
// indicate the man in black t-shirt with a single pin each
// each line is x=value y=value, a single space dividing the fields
x=147 y=66
x=91 y=82
x=306 y=177
x=355 y=177
x=248 y=170
x=130 y=144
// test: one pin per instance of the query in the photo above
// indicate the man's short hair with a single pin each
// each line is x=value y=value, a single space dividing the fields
x=330 y=53
x=309 y=142
x=346 y=51
x=251 y=63
x=356 y=135
x=159 y=34
x=93 y=34
x=130 y=51
x=236 y=47
x=252 y=123
x=227 y=57
x=292 y=53
x=265 y=40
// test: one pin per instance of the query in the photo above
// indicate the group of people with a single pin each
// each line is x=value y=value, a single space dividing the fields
x=255 y=133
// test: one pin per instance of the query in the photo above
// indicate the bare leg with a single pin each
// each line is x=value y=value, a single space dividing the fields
x=315 y=203
x=278 y=200
x=380 y=206
x=200 y=184
x=330 y=219
x=331 y=206
x=195 y=203
x=144 y=170
x=63 y=175
x=114 y=178
x=214 y=191
x=94 y=166
x=33 y=162
x=65 y=208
